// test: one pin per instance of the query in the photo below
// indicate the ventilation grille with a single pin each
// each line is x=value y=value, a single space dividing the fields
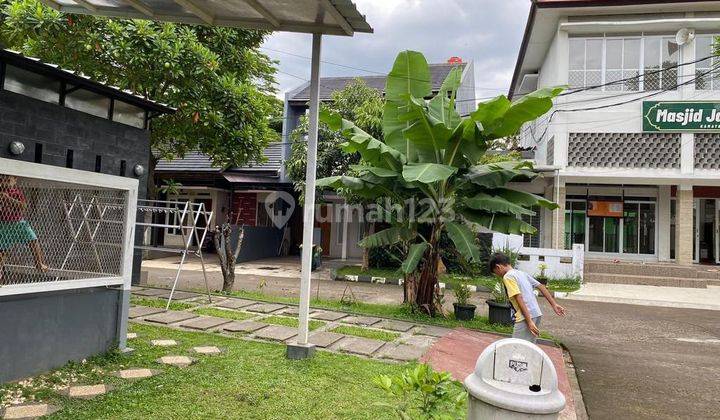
x=624 y=150
x=707 y=151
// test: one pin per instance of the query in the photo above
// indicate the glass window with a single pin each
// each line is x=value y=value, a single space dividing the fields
x=647 y=228
x=703 y=69
x=604 y=234
x=596 y=237
x=613 y=63
x=31 y=84
x=630 y=228
x=574 y=223
x=631 y=64
x=670 y=53
x=128 y=114
x=577 y=54
x=612 y=238
x=593 y=62
x=532 y=241
x=652 y=63
x=89 y=102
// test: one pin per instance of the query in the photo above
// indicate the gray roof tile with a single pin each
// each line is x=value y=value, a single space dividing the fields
x=199 y=162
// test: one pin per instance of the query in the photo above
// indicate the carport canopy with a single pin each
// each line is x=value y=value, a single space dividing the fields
x=318 y=17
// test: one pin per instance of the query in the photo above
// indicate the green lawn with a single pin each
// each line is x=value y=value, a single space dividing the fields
x=291 y=322
x=249 y=380
x=222 y=313
x=160 y=303
x=452 y=280
x=366 y=333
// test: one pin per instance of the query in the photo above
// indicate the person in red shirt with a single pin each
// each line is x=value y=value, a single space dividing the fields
x=14 y=229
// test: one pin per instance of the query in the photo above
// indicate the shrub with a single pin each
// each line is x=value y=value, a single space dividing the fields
x=462 y=293
x=421 y=393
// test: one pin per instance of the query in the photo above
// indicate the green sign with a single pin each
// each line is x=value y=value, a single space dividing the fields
x=681 y=116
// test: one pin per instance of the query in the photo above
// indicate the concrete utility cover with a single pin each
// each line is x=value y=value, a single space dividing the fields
x=141 y=311
x=207 y=350
x=433 y=330
x=324 y=338
x=265 y=308
x=177 y=361
x=131 y=336
x=149 y=292
x=244 y=326
x=163 y=343
x=361 y=346
x=276 y=333
x=329 y=316
x=87 y=391
x=205 y=323
x=235 y=303
x=395 y=325
x=180 y=295
x=28 y=411
x=136 y=373
x=402 y=352
x=365 y=321
x=170 y=317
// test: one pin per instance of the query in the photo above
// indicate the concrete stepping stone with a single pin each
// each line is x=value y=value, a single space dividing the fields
x=264 y=308
x=364 y=321
x=27 y=411
x=276 y=333
x=178 y=295
x=177 y=361
x=131 y=336
x=329 y=315
x=424 y=341
x=163 y=343
x=393 y=325
x=433 y=331
x=294 y=311
x=205 y=323
x=402 y=352
x=235 y=303
x=244 y=326
x=149 y=292
x=87 y=392
x=170 y=317
x=141 y=311
x=136 y=373
x=324 y=339
x=207 y=350
x=360 y=345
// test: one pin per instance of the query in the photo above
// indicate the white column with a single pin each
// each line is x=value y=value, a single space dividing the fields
x=345 y=216
x=309 y=206
x=663 y=222
x=687 y=153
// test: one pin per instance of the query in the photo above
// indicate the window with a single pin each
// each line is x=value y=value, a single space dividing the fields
x=123 y=167
x=89 y=102
x=706 y=78
x=128 y=114
x=31 y=84
x=98 y=163
x=532 y=241
x=599 y=61
x=574 y=223
x=69 y=157
x=38 y=152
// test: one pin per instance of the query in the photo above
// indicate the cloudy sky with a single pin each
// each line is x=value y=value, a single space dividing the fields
x=485 y=31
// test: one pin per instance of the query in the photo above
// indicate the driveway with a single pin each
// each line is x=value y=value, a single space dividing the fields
x=640 y=362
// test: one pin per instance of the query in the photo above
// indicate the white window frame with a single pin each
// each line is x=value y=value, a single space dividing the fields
x=603 y=70
x=85 y=178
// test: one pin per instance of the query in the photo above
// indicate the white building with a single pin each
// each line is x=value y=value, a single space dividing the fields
x=633 y=181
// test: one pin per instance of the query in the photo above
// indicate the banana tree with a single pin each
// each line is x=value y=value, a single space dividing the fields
x=430 y=158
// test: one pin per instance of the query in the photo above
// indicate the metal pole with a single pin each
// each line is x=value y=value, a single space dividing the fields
x=309 y=206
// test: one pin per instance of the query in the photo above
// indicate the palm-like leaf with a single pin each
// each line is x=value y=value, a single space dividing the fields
x=414 y=256
x=389 y=236
x=464 y=241
x=427 y=173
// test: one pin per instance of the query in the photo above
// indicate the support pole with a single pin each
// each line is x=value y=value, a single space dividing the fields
x=302 y=349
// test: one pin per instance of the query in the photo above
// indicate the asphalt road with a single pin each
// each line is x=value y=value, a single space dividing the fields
x=641 y=362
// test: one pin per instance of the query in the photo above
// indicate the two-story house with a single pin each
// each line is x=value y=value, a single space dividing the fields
x=631 y=150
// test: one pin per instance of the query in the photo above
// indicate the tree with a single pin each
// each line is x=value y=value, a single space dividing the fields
x=357 y=102
x=226 y=254
x=431 y=158
x=220 y=84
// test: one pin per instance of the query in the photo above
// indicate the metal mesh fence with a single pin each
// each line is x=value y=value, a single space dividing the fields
x=53 y=231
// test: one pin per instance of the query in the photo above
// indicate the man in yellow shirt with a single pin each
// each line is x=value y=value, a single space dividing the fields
x=520 y=288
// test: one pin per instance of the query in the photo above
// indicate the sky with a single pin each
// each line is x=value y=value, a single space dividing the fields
x=488 y=32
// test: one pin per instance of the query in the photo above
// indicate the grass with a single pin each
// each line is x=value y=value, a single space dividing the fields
x=452 y=280
x=291 y=322
x=222 y=313
x=366 y=333
x=160 y=303
x=249 y=380
x=569 y=284
x=355 y=270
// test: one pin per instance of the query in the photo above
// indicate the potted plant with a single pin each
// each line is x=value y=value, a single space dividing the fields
x=499 y=310
x=464 y=311
x=542 y=278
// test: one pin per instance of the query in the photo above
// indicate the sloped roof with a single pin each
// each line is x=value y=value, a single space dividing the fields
x=200 y=162
x=328 y=85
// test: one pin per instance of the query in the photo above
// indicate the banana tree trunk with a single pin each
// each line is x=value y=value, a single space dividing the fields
x=428 y=293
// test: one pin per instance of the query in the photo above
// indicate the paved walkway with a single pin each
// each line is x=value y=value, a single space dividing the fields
x=641 y=362
x=458 y=351
x=673 y=297
x=259 y=321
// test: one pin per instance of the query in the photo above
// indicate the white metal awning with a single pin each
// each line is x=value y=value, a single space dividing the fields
x=332 y=17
